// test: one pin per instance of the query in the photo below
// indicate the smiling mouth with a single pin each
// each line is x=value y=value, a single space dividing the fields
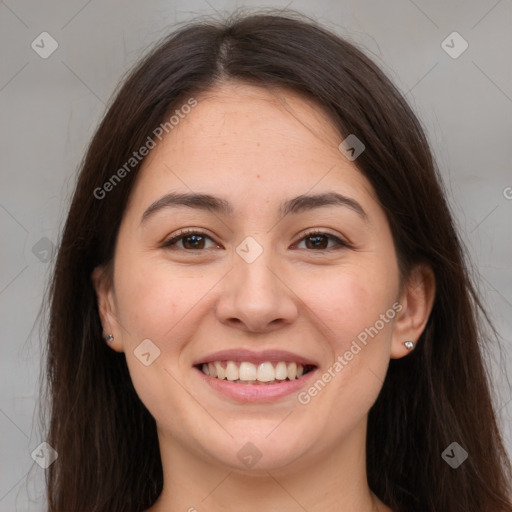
x=244 y=372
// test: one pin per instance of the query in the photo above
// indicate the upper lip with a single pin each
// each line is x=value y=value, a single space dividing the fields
x=242 y=354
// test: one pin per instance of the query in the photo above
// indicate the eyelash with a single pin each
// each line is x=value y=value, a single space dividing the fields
x=307 y=234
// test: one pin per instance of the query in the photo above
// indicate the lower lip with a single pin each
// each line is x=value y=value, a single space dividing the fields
x=256 y=392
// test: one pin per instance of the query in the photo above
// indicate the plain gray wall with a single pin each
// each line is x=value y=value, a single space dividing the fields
x=51 y=107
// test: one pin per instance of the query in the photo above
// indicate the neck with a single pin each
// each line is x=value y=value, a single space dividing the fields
x=326 y=481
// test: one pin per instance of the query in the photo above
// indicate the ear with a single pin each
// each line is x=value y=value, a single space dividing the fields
x=103 y=286
x=416 y=298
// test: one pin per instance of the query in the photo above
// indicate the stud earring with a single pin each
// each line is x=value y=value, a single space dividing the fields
x=409 y=345
x=109 y=338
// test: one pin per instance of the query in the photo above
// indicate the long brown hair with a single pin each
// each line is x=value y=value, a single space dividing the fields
x=106 y=439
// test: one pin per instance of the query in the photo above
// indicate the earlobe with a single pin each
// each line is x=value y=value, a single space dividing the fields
x=417 y=300
x=102 y=284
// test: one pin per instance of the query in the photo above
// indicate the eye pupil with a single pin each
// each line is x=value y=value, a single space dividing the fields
x=320 y=241
x=197 y=241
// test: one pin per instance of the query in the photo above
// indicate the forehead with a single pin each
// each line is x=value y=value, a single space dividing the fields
x=240 y=136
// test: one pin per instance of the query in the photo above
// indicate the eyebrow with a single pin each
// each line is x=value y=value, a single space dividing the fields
x=214 y=204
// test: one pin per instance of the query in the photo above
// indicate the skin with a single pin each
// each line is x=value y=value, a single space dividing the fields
x=255 y=148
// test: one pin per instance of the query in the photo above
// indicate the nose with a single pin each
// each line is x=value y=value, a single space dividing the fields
x=255 y=297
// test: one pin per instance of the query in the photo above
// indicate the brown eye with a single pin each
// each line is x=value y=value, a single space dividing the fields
x=317 y=242
x=320 y=241
x=189 y=241
x=193 y=242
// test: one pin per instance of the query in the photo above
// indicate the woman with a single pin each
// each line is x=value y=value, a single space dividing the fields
x=260 y=301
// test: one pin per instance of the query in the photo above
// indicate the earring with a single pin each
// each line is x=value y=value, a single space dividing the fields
x=409 y=345
x=109 y=338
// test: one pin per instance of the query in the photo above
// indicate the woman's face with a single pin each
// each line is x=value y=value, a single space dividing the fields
x=288 y=260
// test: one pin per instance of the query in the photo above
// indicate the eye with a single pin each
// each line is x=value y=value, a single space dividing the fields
x=320 y=240
x=189 y=240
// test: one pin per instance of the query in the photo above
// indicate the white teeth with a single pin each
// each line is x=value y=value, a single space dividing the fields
x=221 y=372
x=248 y=373
x=266 y=372
x=232 y=371
x=281 y=371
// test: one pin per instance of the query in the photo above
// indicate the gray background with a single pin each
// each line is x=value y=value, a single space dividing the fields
x=51 y=107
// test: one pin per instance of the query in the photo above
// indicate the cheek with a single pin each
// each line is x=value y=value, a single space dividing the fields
x=352 y=300
x=150 y=300
x=152 y=303
x=356 y=306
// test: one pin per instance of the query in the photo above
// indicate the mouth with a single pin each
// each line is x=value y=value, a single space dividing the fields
x=248 y=376
x=247 y=373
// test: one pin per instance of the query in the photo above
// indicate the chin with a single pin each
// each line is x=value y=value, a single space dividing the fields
x=258 y=452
